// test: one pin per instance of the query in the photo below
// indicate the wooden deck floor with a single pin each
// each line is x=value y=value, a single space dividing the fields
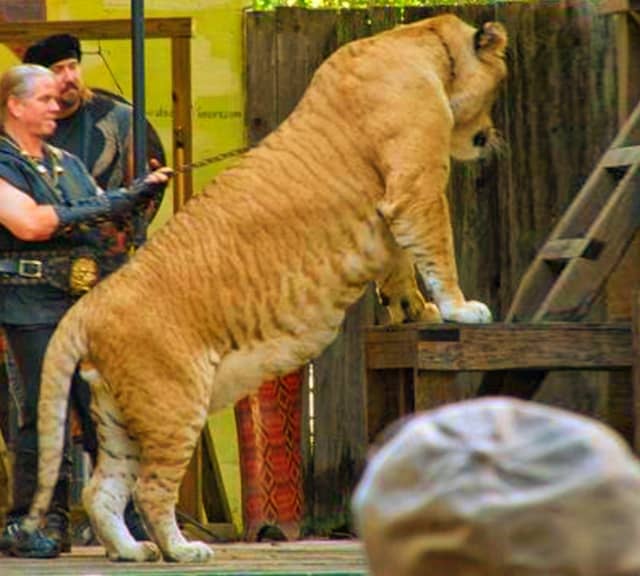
x=326 y=558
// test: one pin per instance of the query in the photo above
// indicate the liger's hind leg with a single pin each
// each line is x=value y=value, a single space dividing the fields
x=111 y=484
x=166 y=452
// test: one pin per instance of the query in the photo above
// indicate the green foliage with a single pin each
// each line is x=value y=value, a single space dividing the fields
x=346 y=4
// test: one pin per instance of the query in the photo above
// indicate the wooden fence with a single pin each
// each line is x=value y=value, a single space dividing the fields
x=557 y=112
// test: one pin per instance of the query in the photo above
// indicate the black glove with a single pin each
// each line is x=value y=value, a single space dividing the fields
x=101 y=207
x=111 y=203
x=145 y=191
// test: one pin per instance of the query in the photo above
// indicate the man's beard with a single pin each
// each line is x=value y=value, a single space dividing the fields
x=69 y=97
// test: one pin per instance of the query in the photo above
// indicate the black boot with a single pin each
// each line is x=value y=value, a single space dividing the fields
x=34 y=545
x=16 y=542
x=57 y=529
x=11 y=528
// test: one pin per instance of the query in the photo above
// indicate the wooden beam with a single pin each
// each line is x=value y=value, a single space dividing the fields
x=190 y=494
x=628 y=64
x=388 y=348
x=94 y=29
x=5 y=479
x=461 y=347
x=621 y=157
x=261 y=102
x=618 y=6
x=182 y=124
x=635 y=370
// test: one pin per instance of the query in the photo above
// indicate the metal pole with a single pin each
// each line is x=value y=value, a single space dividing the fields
x=139 y=113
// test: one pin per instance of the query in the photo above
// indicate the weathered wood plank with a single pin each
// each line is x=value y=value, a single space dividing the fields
x=390 y=349
x=531 y=346
x=23 y=11
x=556 y=58
x=617 y=6
x=390 y=395
x=505 y=346
x=635 y=375
x=5 y=479
x=285 y=559
x=94 y=29
x=352 y=25
x=261 y=108
x=564 y=249
x=385 y=17
x=182 y=141
x=435 y=388
x=303 y=41
x=626 y=278
x=620 y=157
x=340 y=435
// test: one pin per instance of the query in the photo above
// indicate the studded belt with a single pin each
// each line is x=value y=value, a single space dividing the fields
x=75 y=272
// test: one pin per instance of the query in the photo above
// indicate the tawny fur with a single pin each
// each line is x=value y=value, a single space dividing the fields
x=253 y=276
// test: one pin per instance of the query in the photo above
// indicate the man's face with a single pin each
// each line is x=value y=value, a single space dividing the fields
x=38 y=112
x=69 y=81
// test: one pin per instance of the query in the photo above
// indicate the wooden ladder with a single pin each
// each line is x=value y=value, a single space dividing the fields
x=580 y=254
x=589 y=240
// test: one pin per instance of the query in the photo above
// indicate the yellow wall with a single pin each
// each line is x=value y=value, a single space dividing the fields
x=218 y=109
x=217 y=82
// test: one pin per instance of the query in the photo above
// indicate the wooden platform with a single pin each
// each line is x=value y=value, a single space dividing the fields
x=328 y=558
x=413 y=366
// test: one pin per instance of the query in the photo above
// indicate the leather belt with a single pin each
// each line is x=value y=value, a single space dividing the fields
x=75 y=272
x=21 y=267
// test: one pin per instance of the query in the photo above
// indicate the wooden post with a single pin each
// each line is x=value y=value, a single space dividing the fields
x=627 y=19
x=389 y=395
x=626 y=277
x=6 y=490
x=635 y=369
x=260 y=74
x=190 y=496
x=434 y=388
x=181 y=96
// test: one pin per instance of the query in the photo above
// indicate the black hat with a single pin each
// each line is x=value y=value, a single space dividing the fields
x=53 y=49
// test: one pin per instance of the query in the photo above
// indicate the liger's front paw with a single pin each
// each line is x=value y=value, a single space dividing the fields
x=470 y=312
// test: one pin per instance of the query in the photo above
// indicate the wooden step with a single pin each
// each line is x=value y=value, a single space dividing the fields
x=621 y=157
x=567 y=248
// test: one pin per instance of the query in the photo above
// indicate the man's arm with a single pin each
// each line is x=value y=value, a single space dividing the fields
x=24 y=217
x=30 y=221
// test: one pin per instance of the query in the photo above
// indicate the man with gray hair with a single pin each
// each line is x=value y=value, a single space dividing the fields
x=98 y=129
x=50 y=255
x=500 y=487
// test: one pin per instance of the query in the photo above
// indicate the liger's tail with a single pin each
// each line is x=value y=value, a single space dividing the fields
x=66 y=347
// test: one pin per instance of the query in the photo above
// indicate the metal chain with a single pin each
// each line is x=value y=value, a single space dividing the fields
x=211 y=160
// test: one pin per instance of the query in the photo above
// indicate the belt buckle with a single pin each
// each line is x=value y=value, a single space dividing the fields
x=30 y=268
x=84 y=275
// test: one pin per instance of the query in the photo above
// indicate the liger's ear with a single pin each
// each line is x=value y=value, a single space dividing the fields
x=491 y=36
